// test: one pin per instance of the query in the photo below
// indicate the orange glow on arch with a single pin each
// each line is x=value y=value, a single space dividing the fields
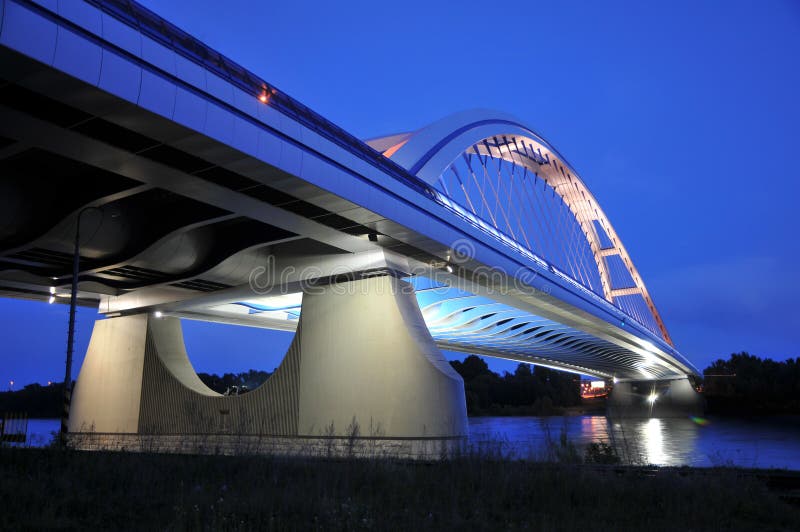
x=388 y=153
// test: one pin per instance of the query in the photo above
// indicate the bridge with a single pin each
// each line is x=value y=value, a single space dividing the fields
x=194 y=189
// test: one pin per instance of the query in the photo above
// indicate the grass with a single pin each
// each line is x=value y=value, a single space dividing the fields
x=51 y=489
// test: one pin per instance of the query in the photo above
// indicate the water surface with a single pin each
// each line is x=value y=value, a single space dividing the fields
x=763 y=443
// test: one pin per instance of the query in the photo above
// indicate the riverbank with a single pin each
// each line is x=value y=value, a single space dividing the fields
x=46 y=488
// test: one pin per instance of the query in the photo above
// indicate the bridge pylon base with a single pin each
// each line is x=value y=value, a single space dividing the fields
x=665 y=398
x=361 y=375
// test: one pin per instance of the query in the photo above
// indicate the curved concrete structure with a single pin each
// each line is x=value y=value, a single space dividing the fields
x=362 y=357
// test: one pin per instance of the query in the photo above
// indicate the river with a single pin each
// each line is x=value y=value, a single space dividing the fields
x=762 y=443
x=772 y=442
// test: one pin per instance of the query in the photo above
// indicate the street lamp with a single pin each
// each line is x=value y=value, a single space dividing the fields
x=76 y=259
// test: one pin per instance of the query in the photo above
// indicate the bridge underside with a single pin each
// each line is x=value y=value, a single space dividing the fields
x=460 y=320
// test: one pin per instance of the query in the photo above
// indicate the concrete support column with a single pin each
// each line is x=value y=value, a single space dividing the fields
x=108 y=391
x=362 y=357
x=366 y=354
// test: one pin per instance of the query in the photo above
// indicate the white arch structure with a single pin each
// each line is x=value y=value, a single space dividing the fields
x=433 y=150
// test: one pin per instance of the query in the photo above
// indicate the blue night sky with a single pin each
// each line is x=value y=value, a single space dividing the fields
x=682 y=117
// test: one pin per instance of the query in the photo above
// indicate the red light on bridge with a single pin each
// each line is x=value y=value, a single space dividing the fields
x=266 y=94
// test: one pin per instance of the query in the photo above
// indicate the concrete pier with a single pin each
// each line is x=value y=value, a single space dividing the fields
x=657 y=398
x=362 y=365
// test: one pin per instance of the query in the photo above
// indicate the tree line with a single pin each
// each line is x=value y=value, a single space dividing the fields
x=45 y=401
x=745 y=384
x=528 y=391
x=34 y=399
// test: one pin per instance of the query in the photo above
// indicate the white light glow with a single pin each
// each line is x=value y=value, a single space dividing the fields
x=52 y=289
x=284 y=307
x=652 y=398
x=449 y=269
x=649 y=359
x=653 y=438
x=158 y=314
x=51 y=300
x=282 y=300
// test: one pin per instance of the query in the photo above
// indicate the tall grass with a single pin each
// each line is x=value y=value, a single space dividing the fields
x=46 y=489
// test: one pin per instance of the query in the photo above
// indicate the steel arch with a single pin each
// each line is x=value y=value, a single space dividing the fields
x=429 y=152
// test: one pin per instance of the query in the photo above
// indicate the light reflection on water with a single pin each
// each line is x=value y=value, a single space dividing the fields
x=656 y=441
x=770 y=442
x=653 y=439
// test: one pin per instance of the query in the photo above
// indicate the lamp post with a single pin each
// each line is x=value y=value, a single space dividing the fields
x=76 y=259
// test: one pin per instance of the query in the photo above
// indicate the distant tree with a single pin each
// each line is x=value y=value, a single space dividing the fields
x=538 y=390
x=523 y=371
x=747 y=384
x=471 y=367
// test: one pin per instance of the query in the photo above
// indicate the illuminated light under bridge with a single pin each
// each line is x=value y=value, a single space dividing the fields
x=462 y=321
